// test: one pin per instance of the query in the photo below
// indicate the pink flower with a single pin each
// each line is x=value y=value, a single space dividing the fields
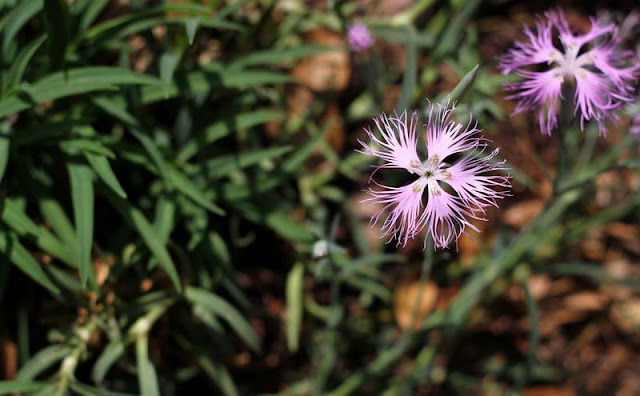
x=360 y=37
x=455 y=183
x=591 y=60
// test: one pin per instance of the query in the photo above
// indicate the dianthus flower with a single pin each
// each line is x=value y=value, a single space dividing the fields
x=455 y=183
x=591 y=61
x=360 y=37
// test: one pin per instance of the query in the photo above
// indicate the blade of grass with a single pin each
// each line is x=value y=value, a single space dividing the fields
x=101 y=166
x=81 y=180
x=294 y=295
x=148 y=234
x=20 y=256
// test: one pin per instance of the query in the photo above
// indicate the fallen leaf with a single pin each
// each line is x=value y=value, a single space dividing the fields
x=405 y=300
x=326 y=71
x=522 y=213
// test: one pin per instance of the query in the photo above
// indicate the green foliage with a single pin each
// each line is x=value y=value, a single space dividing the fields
x=161 y=187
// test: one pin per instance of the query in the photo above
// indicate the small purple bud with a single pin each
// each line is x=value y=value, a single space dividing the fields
x=360 y=37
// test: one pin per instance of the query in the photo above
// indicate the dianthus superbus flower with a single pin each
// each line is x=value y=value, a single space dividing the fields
x=591 y=61
x=457 y=181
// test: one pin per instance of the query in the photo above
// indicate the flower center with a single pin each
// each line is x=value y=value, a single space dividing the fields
x=434 y=171
x=570 y=64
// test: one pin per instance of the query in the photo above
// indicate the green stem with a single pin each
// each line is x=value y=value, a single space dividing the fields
x=565 y=154
x=409 y=16
x=404 y=343
x=425 y=272
x=457 y=313
x=529 y=239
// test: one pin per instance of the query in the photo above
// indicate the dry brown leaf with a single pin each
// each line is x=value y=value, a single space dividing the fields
x=469 y=243
x=548 y=390
x=549 y=324
x=626 y=315
x=593 y=246
x=8 y=359
x=586 y=301
x=326 y=71
x=406 y=297
x=628 y=234
x=522 y=213
x=539 y=286
x=335 y=134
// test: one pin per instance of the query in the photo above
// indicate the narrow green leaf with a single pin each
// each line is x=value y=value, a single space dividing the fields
x=73 y=82
x=19 y=65
x=117 y=24
x=223 y=165
x=52 y=132
x=168 y=63
x=277 y=56
x=42 y=360
x=230 y=8
x=116 y=106
x=450 y=39
x=458 y=93
x=207 y=318
x=21 y=223
x=57 y=18
x=410 y=73
x=101 y=166
x=224 y=127
x=221 y=308
x=191 y=27
x=19 y=16
x=113 y=351
x=592 y=271
x=294 y=295
x=283 y=225
x=4 y=154
x=218 y=374
x=86 y=390
x=141 y=25
x=199 y=82
x=67 y=279
x=20 y=256
x=13 y=387
x=153 y=151
x=164 y=219
x=149 y=236
x=147 y=378
x=534 y=325
x=54 y=214
x=183 y=184
x=90 y=14
x=78 y=146
x=81 y=178
x=295 y=161
x=231 y=192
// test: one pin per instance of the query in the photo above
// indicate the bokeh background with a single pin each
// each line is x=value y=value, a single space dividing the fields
x=180 y=207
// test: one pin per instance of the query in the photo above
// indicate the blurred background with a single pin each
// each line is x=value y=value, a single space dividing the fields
x=180 y=207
